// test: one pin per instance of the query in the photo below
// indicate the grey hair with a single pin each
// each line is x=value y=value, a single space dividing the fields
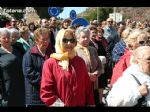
x=13 y=30
x=5 y=30
x=81 y=29
x=139 y=52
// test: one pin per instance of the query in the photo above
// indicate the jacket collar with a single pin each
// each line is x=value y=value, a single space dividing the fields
x=34 y=50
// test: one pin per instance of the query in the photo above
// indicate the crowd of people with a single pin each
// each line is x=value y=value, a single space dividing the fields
x=46 y=64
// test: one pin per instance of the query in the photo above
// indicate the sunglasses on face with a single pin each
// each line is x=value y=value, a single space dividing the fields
x=65 y=40
x=143 y=42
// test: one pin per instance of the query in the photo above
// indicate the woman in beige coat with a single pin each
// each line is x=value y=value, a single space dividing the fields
x=90 y=56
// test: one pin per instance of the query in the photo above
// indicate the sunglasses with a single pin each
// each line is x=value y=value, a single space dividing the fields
x=65 y=40
x=143 y=42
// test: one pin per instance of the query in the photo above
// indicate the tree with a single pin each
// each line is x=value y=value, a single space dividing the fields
x=103 y=13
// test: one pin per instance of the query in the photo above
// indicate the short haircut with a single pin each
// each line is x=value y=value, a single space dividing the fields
x=81 y=29
x=134 y=35
x=14 y=30
x=139 y=52
x=5 y=30
x=40 y=31
x=23 y=30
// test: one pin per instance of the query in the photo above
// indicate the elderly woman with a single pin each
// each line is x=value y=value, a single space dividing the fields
x=32 y=67
x=64 y=82
x=134 y=40
x=89 y=55
x=96 y=40
x=127 y=91
x=11 y=72
x=14 y=36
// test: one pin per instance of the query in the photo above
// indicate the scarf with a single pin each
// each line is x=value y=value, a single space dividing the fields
x=62 y=57
x=87 y=53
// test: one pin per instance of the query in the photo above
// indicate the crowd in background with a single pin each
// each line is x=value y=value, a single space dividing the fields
x=47 y=64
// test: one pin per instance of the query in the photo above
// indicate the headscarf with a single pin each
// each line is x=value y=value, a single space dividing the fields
x=60 y=55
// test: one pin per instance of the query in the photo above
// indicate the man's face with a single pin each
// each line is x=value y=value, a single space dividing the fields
x=44 y=23
x=53 y=21
x=13 y=23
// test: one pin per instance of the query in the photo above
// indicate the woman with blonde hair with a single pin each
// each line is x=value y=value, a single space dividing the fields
x=65 y=80
x=120 y=47
x=134 y=40
x=132 y=89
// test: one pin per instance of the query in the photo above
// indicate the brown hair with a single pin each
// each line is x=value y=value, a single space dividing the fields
x=40 y=31
x=23 y=30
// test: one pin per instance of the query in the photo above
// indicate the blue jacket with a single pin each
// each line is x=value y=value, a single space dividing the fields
x=32 y=70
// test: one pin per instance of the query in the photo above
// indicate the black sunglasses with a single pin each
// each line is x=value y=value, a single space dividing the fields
x=65 y=40
x=143 y=42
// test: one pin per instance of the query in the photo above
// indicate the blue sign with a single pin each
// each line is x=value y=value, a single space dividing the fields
x=73 y=14
x=54 y=11
x=80 y=21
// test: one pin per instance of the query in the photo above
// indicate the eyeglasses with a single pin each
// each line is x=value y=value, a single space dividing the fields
x=146 y=60
x=143 y=42
x=110 y=21
x=65 y=40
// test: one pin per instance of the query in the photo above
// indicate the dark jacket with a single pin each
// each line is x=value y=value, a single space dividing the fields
x=12 y=78
x=32 y=70
x=101 y=50
x=18 y=46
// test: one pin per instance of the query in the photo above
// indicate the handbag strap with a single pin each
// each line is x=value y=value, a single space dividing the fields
x=142 y=100
x=136 y=79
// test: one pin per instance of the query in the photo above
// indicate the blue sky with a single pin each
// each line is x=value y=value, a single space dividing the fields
x=66 y=12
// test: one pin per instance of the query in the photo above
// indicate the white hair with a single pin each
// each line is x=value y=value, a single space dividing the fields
x=81 y=29
x=13 y=30
x=5 y=30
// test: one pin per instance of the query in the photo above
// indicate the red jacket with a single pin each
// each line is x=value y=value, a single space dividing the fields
x=121 y=66
x=73 y=87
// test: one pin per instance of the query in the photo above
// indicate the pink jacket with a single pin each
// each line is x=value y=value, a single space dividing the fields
x=121 y=66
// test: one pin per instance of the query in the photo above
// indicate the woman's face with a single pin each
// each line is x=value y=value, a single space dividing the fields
x=5 y=40
x=93 y=34
x=144 y=63
x=142 y=40
x=66 y=24
x=26 y=36
x=69 y=42
x=84 y=39
x=14 y=38
x=99 y=35
x=43 y=41
x=32 y=27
